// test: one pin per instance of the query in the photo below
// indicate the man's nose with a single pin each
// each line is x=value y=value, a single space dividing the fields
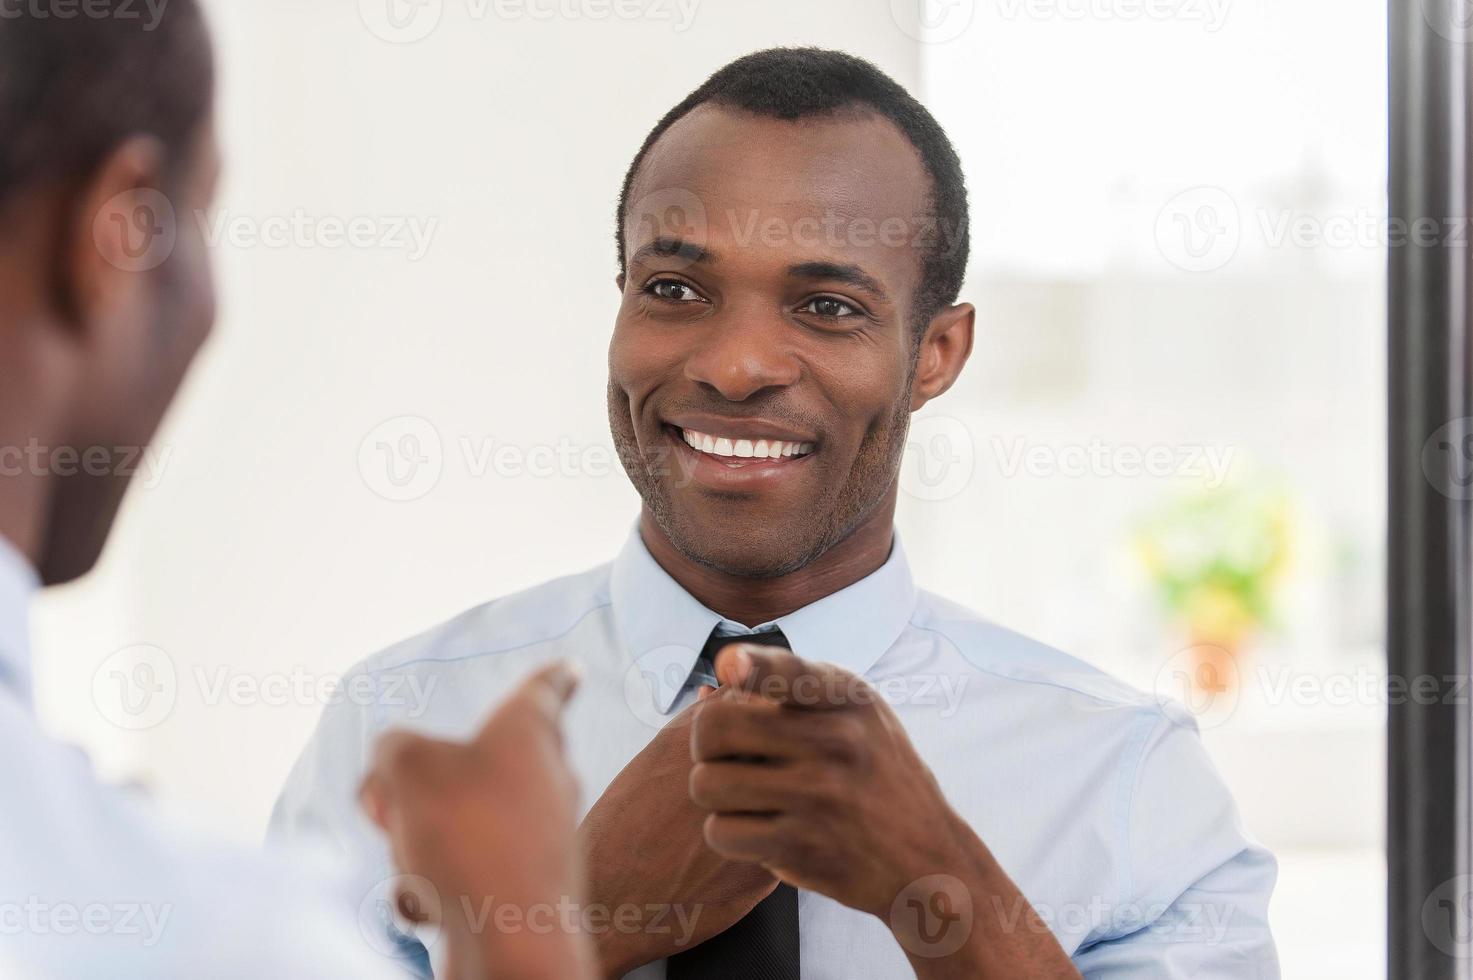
x=741 y=355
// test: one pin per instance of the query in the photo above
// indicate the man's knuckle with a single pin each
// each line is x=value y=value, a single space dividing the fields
x=400 y=753
x=701 y=784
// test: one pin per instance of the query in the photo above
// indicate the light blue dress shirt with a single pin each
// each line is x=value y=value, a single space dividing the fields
x=93 y=885
x=1098 y=801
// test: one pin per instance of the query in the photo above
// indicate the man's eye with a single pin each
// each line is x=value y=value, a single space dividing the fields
x=672 y=289
x=828 y=306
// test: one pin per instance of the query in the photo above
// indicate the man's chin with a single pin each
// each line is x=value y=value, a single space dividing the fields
x=742 y=549
x=82 y=514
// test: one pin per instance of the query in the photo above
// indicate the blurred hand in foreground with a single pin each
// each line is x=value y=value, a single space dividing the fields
x=490 y=825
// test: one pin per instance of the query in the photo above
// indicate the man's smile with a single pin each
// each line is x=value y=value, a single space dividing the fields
x=738 y=454
x=735 y=448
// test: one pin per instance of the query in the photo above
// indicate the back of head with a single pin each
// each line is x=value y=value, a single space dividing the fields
x=73 y=87
x=105 y=138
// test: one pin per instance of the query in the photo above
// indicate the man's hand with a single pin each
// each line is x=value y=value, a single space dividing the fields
x=644 y=848
x=806 y=770
x=490 y=823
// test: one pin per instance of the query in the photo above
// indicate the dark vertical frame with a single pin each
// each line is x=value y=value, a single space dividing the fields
x=1428 y=552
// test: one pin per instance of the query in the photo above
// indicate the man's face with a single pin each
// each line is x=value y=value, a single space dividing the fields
x=761 y=365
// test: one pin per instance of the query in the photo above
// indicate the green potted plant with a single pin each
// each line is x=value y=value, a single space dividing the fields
x=1216 y=559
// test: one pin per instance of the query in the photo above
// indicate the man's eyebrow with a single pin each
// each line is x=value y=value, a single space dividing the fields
x=851 y=275
x=666 y=248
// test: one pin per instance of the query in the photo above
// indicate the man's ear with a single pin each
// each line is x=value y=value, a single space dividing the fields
x=619 y=282
x=124 y=226
x=944 y=349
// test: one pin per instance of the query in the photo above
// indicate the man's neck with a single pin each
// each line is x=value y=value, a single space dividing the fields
x=752 y=601
x=24 y=481
x=22 y=504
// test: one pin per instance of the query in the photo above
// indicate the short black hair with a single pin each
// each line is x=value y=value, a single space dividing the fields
x=73 y=88
x=798 y=83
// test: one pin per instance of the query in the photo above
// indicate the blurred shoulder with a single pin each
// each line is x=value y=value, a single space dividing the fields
x=522 y=620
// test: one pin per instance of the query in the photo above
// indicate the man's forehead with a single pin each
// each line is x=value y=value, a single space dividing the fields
x=847 y=186
x=850 y=165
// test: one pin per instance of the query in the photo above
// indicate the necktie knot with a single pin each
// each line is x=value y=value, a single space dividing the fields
x=704 y=671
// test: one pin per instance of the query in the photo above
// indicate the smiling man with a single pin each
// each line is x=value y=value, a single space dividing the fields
x=873 y=782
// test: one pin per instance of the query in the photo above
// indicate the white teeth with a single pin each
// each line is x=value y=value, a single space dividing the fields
x=744 y=448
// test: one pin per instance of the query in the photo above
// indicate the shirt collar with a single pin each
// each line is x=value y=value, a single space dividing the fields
x=18 y=582
x=663 y=627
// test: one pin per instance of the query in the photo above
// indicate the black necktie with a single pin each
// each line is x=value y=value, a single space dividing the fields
x=763 y=945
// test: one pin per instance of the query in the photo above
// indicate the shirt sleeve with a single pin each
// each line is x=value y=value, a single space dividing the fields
x=95 y=882
x=1195 y=900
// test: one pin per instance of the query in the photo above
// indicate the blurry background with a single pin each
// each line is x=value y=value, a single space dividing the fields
x=1166 y=456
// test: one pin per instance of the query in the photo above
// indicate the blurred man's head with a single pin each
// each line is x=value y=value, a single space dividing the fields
x=107 y=150
x=792 y=238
